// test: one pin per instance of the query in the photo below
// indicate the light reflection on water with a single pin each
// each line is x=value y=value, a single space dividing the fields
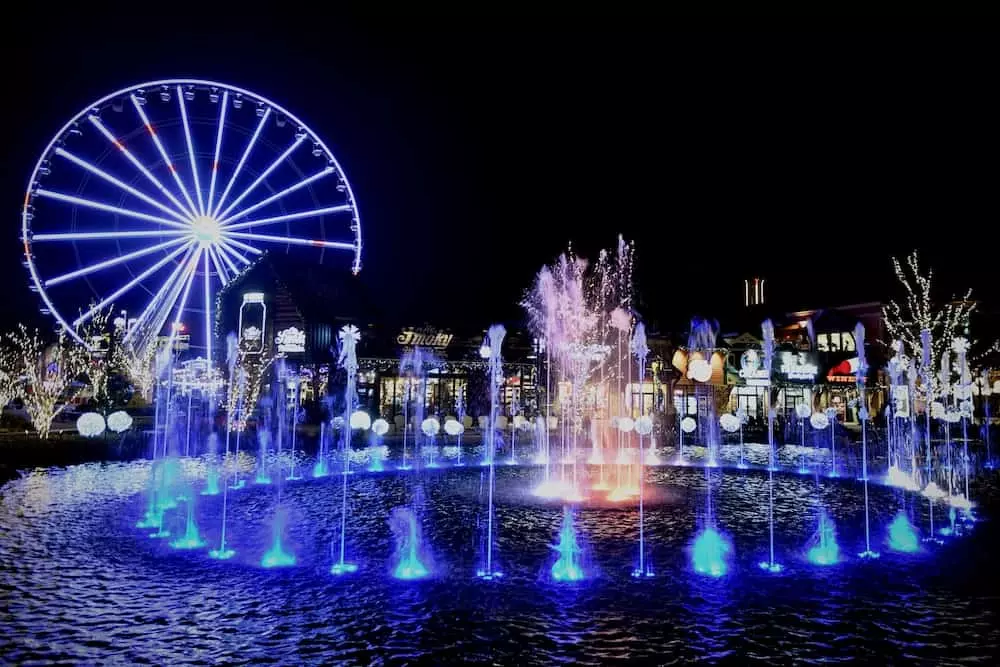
x=81 y=583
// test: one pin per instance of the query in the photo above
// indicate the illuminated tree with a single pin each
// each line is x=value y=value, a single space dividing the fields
x=46 y=374
x=919 y=311
x=244 y=390
x=9 y=375
x=99 y=357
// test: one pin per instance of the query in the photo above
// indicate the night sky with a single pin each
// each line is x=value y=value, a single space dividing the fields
x=476 y=156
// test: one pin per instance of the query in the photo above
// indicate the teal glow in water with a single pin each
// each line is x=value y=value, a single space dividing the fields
x=567 y=567
x=320 y=469
x=408 y=545
x=276 y=556
x=902 y=535
x=822 y=548
x=710 y=553
x=211 y=482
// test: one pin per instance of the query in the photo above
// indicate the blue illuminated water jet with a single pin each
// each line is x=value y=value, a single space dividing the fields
x=277 y=556
x=822 y=547
x=409 y=564
x=191 y=539
x=211 y=482
x=710 y=553
x=902 y=535
x=568 y=566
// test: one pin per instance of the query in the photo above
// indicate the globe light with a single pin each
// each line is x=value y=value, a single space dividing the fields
x=802 y=410
x=644 y=425
x=625 y=424
x=453 y=427
x=430 y=426
x=119 y=421
x=819 y=420
x=90 y=424
x=484 y=351
x=730 y=423
x=688 y=425
x=380 y=427
x=361 y=420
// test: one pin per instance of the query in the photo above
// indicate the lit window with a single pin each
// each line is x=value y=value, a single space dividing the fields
x=848 y=339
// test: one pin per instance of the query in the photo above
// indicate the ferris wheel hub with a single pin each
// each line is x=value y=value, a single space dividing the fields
x=206 y=230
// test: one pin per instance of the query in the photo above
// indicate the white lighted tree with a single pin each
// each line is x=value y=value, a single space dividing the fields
x=99 y=357
x=919 y=311
x=46 y=373
x=9 y=375
x=137 y=365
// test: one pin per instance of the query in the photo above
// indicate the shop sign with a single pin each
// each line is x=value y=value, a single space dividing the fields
x=798 y=366
x=750 y=369
x=291 y=339
x=424 y=338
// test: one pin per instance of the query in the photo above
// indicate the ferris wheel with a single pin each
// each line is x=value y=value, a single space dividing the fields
x=165 y=189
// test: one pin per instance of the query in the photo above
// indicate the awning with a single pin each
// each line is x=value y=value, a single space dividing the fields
x=845 y=371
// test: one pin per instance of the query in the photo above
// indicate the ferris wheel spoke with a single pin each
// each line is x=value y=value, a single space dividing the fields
x=188 y=281
x=163 y=153
x=114 y=261
x=219 y=269
x=90 y=203
x=99 y=236
x=206 y=280
x=129 y=285
x=288 y=216
x=278 y=195
x=83 y=164
x=218 y=149
x=230 y=242
x=96 y=122
x=161 y=293
x=291 y=240
x=190 y=147
x=267 y=172
x=243 y=159
x=159 y=307
x=225 y=253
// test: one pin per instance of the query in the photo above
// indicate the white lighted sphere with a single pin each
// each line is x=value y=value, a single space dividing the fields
x=688 y=425
x=519 y=421
x=430 y=426
x=729 y=422
x=625 y=424
x=484 y=351
x=644 y=425
x=454 y=427
x=937 y=410
x=380 y=427
x=953 y=417
x=90 y=424
x=700 y=370
x=819 y=420
x=361 y=419
x=802 y=410
x=119 y=421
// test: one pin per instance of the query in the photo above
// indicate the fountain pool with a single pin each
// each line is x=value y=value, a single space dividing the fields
x=82 y=583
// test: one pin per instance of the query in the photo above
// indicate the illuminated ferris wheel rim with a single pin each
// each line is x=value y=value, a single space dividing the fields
x=93 y=110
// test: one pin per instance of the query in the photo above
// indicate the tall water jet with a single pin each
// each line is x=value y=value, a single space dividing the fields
x=710 y=552
x=212 y=473
x=771 y=565
x=822 y=547
x=348 y=360
x=644 y=427
x=460 y=428
x=494 y=338
x=963 y=394
x=410 y=559
x=295 y=423
x=986 y=392
x=701 y=341
x=926 y=378
x=831 y=415
x=569 y=564
x=223 y=552
x=320 y=468
x=861 y=378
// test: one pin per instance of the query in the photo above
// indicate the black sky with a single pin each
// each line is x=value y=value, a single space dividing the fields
x=476 y=155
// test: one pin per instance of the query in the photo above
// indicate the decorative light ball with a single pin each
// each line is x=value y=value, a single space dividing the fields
x=953 y=417
x=361 y=419
x=644 y=425
x=119 y=421
x=802 y=410
x=454 y=427
x=730 y=423
x=819 y=420
x=688 y=425
x=965 y=409
x=625 y=424
x=380 y=427
x=519 y=421
x=430 y=426
x=90 y=424
x=484 y=351
x=937 y=410
x=700 y=370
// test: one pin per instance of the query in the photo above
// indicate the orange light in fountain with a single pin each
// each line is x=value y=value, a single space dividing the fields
x=623 y=493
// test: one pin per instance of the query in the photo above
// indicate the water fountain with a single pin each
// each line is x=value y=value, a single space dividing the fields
x=771 y=565
x=569 y=563
x=411 y=560
x=862 y=378
x=494 y=338
x=644 y=427
x=822 y=548
x=348 y=360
